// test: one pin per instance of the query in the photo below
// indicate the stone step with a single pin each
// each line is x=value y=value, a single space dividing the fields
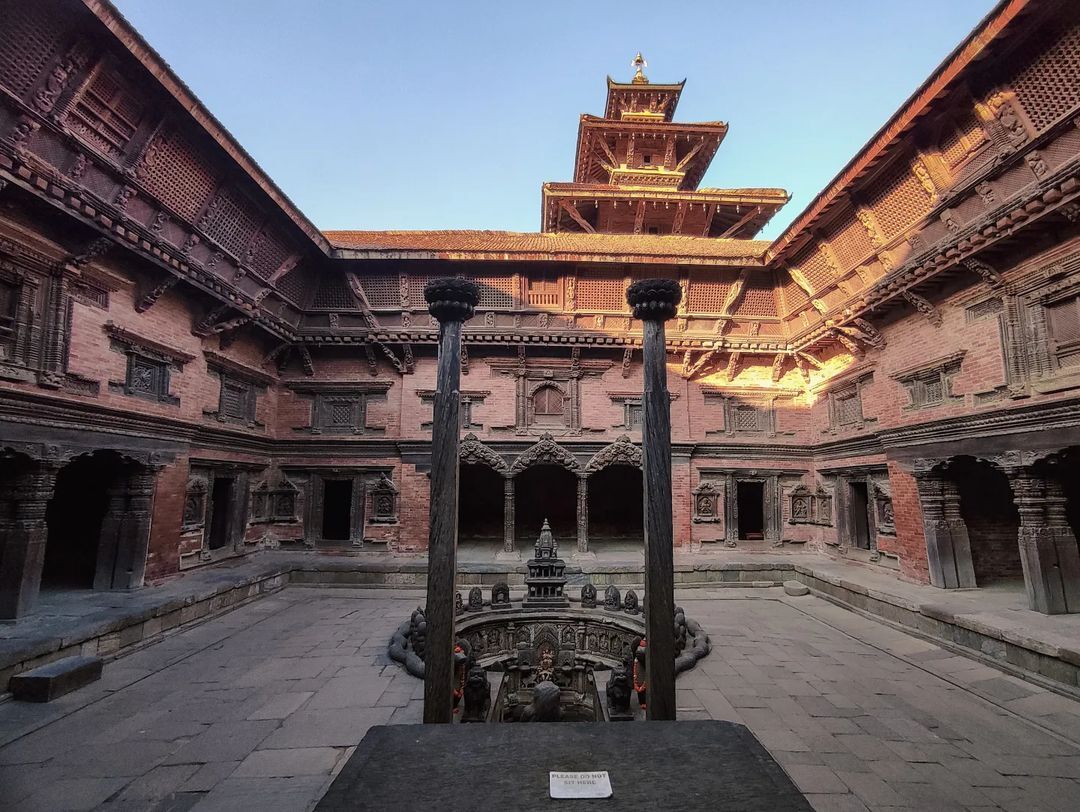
x=47 y=682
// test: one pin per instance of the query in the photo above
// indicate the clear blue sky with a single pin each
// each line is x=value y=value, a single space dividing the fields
x=419 y=115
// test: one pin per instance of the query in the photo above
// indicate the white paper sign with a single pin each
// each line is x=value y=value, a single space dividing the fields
x=580 y=785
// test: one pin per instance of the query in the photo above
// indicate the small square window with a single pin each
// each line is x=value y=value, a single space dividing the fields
x=646 y=159
x=147 y=377
x=746 y=418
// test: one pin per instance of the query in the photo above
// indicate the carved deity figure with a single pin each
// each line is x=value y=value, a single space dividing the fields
x=477 y=696
x=619 y=690
x=612 y=598
x=476 y=599
x=500 y=594
x=588 y=596
x=545 y=704
x=459 y=605
x=630 y=602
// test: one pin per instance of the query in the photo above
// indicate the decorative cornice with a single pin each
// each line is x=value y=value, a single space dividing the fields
x=216 y=361
x=945 y=361
x=309 y=387
x=124 y=336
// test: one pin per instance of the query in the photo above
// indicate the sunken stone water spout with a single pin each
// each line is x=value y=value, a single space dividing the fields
x=547 y=655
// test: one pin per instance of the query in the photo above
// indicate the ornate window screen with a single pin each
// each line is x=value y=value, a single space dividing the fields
x=930 y=384
x=106 y=113
x=809 y=507
x=277 y=504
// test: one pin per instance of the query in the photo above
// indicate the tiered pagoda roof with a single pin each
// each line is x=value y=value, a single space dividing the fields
x=637 y=172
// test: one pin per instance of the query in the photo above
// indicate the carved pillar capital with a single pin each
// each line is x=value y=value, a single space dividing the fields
x=654 y=299
x=451 y=299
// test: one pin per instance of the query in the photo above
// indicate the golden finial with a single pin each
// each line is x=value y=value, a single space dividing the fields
x=639 y=63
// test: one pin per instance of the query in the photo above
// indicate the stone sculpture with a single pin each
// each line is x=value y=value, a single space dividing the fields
x=500 y=594
x=612 y=598
x=619 y=691
x=477 y=696
x=545 y=705
x=476 y=599
x=588 y=596
x=630 y=602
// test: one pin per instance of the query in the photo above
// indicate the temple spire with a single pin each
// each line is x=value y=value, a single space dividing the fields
x=638 y=65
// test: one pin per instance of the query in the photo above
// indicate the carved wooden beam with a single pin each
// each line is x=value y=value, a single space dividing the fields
x=732 y=367
x=688 y=157
x=95 y=249
x=361 y=297
x=801 y=365
x=373 y=366
x=575 y=215
x=627 y=357
x=680 y=216
x=735 y=293
x=205 y=326
x=464 y=359
x=850 y=344
x=710 y=212
x=602 y=143
x=684 y=371
x=924 y=306
x=407 y=359
x=305 y=359
x=778 y=367
x=278 y=355
x=389 y=353
x=988 y=274
x=865 y=332
x=810 y=359
x=148 y=299
x=639 y=217
x=287 y=265
x=702 y=360
x=742 y=221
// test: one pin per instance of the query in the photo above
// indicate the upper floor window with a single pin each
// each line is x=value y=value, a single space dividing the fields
x=1063 y=321
x=548 y=406
x=9 y=312
x=107 y=113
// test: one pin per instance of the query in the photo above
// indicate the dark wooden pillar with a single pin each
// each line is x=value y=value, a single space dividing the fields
x=583 y=513
x=654 y=301
x=1048 y=551
x=508 y=515
x=23 y=533
x=452 y=302
x=948 y=548
x=125 y=531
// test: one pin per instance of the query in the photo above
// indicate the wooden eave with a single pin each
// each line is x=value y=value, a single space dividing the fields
x=591 y=127
x=133 y=42
x=615 y=88
x=918 y=104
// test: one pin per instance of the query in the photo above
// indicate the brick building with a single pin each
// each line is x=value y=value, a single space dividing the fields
x=191 y=370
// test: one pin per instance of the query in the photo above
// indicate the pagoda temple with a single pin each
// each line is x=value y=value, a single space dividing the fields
x=637 y=172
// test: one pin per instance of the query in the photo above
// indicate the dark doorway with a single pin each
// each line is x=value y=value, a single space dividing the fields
x=545 y=492
x=221 y=510
x=480 y=504
x=615 y=504
x=860 y=515
x=751 y=506
x=74 y=519
x=993 y=522
x=337 y=509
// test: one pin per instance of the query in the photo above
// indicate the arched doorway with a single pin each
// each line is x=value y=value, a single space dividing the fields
x=545 y=492
x=616 y=511
x=988 y=510
x=480 y=504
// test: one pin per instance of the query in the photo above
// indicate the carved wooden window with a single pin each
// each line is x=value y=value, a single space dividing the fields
x=1063 y=322
x=274 y=504
x=548 y=406
x=809 y=507
x=107 y=113
x=147 y=377
x=544 y=291
x=634 y=415
x=339 y=414
x=10 y=294
x=845 y=405
x=745 y=417
x=883 y=506
x=194 y=505
x=848 y=408
x=931 y=384
x=237 y=402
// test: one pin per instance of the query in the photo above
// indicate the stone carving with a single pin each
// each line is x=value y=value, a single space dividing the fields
x=477 y=695
x=500 y=594
x=630 y=602
x=545 y=705
x=985 y=191
x=474 y=452
x=620 y=452
x=612 y=598
x=618 y=691
x=459 y=604
x=476 y=599
x=588 y=596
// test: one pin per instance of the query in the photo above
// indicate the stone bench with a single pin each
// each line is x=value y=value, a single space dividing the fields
x=47 y=682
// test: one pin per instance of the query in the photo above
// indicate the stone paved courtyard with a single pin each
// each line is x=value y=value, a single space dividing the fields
x=258 y=708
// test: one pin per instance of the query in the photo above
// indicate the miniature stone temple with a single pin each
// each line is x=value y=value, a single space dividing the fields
x=546 y=579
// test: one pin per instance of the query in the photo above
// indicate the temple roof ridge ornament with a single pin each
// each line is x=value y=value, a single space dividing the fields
x=639 y=64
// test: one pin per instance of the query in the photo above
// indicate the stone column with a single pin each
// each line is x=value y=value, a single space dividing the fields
x=23 y=533
x=508 y=515
x=583 y=513
x=654 y=301
x=1048 y=551
x=122 y=555
x=452 y=302
x=948 y=549
x=56 y=327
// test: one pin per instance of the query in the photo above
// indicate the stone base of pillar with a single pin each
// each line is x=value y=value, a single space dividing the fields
x=1051 y=565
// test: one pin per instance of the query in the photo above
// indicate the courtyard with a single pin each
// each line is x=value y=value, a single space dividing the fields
x=259 y=707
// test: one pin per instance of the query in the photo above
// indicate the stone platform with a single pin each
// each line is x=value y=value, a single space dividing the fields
x=991 y=624
x=689 y=765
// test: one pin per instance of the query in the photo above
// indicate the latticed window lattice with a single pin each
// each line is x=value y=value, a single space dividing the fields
x=795 y=298
x=1063 y=319
x=177 y=176
x=848 y=409
x=269 y=255
x=708 y=291
x=293 y=284
x=746 y=418
x=382 y=291
x=898 y=200
x=758 y=299
x=960 y=137
x=850 y=240
x=601 y=293
x=814 y=267
x=1049 y=86
x=231 y=222
x=32 y=36
x=495 y=291
x=333 y=294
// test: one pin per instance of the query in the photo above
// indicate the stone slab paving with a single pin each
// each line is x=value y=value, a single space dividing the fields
x=258 y=708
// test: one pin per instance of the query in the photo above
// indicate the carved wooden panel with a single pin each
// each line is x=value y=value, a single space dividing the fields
x=707 y=292
x=107 y=112
x=758 y=298
x=174 y=173
x=814 y=266
x=495 y=291
x=898 y=200
x=231 y=221
x=606 y=292
x=382 y=290
x=294 y=284
x=960 y=137
x=333 y=293
x=851 y=240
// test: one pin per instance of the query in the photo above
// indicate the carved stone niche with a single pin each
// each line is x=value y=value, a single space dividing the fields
x=809 y=507
x=708 y=499
x=883 y=509
x=194 y=505
x=384 y=501
x=274 y=504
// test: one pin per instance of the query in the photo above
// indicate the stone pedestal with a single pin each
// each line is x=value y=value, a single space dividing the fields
x=1048 y=548
x=23 y=534
x=948 y=548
